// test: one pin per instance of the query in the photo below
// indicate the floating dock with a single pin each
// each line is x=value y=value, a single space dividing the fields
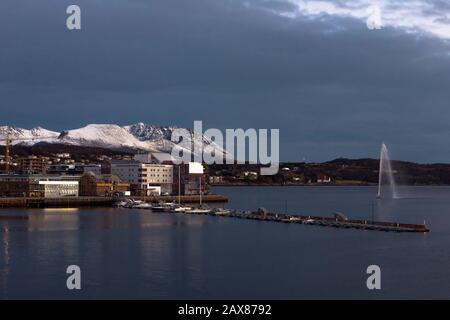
x=332 y=222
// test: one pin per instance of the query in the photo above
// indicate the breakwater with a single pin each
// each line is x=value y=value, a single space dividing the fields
x=331 y=222
x=334 y=222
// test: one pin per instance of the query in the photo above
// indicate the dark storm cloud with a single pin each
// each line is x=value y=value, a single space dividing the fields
x=332 y=86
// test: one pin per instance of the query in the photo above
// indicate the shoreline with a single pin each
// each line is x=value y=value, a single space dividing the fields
x=78 y=202
x=324 y=185
x=294 y=185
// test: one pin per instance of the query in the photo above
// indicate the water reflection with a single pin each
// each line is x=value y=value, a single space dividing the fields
x=138 y=254
x=5 y=261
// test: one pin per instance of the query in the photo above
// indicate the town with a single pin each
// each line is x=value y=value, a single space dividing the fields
x=55 y=171
x=87 y=172
x=59 y=175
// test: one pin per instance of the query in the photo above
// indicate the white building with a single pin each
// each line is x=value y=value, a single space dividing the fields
x=144 y=176
x=59 y=189
x=148 y=170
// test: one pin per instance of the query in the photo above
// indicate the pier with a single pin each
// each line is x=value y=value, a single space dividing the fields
x=331 y=222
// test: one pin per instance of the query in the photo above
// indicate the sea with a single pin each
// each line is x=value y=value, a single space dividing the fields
x=139 y=254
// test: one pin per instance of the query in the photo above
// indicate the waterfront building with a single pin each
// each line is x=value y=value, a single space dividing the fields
x=58 y=188
x=102 y=185
x=144 y=177
x=323 y=178
x=32 y=185
x=151 y=170
x=189 y=178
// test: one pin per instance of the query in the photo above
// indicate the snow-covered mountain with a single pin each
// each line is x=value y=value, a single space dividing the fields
x=28 y=137
x=101 y=135
x=145 y=132
x=139 y=136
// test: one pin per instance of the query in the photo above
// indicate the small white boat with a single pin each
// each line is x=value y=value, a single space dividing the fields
x=182 y=209
x=121 y=204
x=221 y=211
x=199 y=211
x=295 y=219
x=164 y=207
x=142 y=205
x=308 y=221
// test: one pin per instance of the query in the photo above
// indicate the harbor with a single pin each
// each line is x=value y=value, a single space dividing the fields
x=74 y=202
x=193 y=204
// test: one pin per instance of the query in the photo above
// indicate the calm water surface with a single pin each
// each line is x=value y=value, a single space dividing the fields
x=138 y=254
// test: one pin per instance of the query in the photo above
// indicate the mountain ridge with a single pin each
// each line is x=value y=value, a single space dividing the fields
x=139 y=136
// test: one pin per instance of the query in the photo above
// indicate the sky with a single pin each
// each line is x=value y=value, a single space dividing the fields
x=336 y=77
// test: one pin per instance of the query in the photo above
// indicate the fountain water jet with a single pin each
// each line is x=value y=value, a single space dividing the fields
x=385 y=173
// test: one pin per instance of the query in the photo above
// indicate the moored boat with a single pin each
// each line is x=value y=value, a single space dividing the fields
x=199 y=210
x=221 y=212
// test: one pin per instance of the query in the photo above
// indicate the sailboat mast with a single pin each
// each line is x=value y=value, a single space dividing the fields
x=200 y=190
x=179 y=184
x=7 y=152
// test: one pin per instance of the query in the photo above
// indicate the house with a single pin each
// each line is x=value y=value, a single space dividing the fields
x=249 y=175
x=323 y=178
x=215 y=179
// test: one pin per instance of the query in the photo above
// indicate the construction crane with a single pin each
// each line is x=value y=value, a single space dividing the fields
x=7 y=152
x=8 y=144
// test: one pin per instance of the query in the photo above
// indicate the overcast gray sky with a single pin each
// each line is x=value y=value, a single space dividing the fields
x=337 y=77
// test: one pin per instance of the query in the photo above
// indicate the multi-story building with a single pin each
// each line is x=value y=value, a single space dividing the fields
x=144 y=177
x=32 y=165
x=189 y=178
x=151 y=175
x=151 y=172
x=127 y=170
x=102 y=185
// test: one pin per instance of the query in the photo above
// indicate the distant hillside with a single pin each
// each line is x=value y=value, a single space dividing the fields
x=359 y=171
x=342 y=171
x=77 y=152
x=405 y=172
